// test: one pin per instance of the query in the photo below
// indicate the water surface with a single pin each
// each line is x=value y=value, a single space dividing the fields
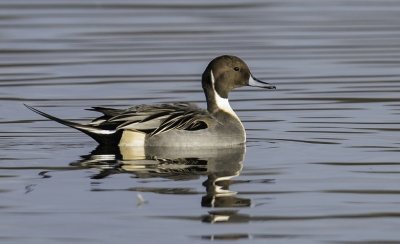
x=321 y=164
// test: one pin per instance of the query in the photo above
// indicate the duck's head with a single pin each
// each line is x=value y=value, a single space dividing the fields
x=226 y=73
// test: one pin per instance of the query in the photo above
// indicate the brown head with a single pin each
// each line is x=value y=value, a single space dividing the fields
x=226 y=73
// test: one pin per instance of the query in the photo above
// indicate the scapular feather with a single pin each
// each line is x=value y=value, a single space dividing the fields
x=153 y=119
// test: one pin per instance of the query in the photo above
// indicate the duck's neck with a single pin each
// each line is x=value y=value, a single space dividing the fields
x=221 y=110
x=226 y=117
x=217 y=104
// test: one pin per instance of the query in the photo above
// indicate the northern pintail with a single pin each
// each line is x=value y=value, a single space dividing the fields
x=178 y=124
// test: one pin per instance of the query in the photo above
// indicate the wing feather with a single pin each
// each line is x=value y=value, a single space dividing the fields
x=154 y=119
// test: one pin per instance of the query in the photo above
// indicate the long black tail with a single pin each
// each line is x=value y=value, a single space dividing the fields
x=103 y=137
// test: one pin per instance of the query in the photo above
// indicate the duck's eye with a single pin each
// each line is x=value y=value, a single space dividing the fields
x=236 y=68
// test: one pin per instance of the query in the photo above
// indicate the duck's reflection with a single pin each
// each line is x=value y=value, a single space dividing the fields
x=220 y=165
x=225 y=216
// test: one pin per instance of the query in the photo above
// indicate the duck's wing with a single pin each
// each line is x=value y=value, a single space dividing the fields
x=156 y=119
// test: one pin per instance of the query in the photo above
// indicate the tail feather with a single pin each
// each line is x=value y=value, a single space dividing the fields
x=104 y=137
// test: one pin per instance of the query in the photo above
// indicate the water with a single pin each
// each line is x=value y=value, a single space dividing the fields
x=321 y=164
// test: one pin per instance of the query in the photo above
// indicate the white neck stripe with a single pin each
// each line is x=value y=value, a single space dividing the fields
x=222 y=103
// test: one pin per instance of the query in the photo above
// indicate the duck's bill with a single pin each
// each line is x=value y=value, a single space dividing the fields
x=253 y=81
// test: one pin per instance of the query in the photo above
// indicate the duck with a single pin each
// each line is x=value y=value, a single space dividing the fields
x=179 y=124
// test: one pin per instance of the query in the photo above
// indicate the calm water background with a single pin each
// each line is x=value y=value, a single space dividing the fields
x=323 y=154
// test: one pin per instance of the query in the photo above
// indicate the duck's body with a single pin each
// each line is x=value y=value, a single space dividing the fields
x=178 y=124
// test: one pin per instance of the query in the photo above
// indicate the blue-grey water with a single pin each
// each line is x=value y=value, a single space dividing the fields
x=322 y=161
